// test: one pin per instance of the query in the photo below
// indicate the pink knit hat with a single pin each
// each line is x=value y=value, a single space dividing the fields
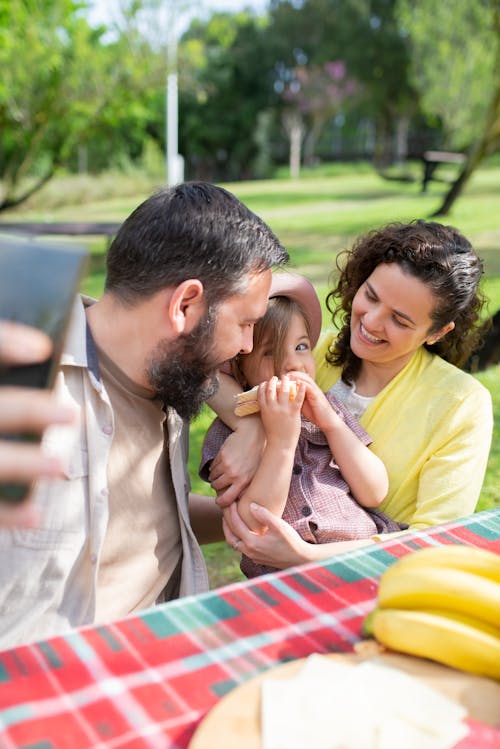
x=302 y=291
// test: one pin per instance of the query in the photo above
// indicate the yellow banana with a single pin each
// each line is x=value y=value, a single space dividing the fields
x=455 y=556
x=457 y=641
x=422 y=587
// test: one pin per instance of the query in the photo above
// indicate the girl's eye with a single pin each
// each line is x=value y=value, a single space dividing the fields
x=302 y=347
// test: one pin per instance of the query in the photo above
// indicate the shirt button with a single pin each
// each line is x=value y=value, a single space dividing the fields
x=105 y=492
x=107 y=429
x=93 y=558
x=297 y=469
x=306 y=511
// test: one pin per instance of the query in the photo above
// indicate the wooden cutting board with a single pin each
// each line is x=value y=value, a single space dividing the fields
x=234 y=722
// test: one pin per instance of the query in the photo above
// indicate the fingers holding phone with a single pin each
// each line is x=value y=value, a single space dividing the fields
x=22 y=344
x=38 y=284
x=25 y=411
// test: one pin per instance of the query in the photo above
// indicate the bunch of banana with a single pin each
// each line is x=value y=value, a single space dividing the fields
x=442 y=603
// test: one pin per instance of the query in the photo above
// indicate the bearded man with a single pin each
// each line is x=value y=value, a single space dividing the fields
x=188 y=275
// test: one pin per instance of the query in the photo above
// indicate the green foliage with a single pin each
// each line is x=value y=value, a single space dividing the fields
x=490 y=495
x=454 y=55
x=62 y=87
x=225 y=85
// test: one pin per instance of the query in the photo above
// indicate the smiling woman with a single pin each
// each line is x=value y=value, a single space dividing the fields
x=407 y=306
x=409 y=302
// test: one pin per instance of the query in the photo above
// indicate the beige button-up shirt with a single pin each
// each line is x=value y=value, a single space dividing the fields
x=48 y=574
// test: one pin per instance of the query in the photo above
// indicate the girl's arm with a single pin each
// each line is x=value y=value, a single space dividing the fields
x=363 y=471
x=271 y=483
x=235 y=465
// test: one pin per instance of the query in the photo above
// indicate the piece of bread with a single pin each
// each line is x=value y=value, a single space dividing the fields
x=246 y=402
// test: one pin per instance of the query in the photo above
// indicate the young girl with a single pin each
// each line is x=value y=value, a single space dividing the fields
x=316 y=471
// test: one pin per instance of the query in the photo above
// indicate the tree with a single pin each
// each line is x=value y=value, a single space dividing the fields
x=456 y=67
x=225 y=85
x=367 y=37
x=61 y=87
x=312 y=95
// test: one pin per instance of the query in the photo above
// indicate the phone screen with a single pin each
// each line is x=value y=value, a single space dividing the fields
x=38 y=284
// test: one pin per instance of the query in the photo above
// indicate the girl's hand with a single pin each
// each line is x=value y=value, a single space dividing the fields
x=316 y=408
x=278 y=546
x=280 y=416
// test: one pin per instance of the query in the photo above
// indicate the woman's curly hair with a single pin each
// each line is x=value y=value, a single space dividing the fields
x=439 y=256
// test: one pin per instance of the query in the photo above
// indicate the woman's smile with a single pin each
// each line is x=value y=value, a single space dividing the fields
x=367 y=336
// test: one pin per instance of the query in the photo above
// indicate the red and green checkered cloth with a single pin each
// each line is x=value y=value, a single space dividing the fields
x=146 y=681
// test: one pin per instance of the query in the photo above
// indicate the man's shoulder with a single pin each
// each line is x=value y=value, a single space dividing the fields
x=75 y=345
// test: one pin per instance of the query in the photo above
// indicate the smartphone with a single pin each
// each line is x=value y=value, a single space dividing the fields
x=38 y=284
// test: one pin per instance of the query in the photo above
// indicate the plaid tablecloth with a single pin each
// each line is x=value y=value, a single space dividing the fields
x=146 y=681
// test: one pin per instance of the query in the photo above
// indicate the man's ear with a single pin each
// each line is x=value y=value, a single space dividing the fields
x=440 y=334
x=186 y=306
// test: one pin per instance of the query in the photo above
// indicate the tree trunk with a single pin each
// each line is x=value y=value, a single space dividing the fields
x=12 y=202
x=490 y=140
x=292 y=123
x=295 y=149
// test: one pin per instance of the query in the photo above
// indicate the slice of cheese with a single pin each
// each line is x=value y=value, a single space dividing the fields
x=330 y=705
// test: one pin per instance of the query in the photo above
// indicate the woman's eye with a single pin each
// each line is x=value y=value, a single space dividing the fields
x=370 y=296
x=400 y=323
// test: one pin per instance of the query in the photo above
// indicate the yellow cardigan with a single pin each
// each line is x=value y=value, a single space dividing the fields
x=432 y=427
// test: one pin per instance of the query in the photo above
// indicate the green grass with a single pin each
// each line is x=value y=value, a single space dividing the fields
x=315 y=217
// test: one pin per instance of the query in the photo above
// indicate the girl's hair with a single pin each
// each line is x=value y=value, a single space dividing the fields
x=271 y=329
x=439 y=256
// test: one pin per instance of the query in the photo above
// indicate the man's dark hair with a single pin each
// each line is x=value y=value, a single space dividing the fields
x=191 y=230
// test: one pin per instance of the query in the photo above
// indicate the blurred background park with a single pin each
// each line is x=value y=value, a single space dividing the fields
x=321 y=115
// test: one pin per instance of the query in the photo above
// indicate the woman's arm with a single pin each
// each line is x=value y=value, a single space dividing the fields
x=280 y=546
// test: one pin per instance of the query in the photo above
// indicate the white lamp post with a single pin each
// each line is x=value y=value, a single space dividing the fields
x=174 y=161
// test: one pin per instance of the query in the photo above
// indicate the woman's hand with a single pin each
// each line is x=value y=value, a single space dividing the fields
x=279 y=545
x=236 y=463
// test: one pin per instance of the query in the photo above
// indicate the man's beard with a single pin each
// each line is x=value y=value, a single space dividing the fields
x=183 y=372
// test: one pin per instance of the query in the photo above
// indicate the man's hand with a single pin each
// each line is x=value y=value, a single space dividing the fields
x=25 y=410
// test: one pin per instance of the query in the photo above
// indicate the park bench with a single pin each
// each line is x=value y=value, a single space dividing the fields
x=62 y=229
x=432 y=159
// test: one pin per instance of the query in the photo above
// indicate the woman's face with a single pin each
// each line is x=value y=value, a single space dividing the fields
x=297 y=355
x=391 y=317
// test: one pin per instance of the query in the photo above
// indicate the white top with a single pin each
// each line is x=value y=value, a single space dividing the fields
x=346 y=394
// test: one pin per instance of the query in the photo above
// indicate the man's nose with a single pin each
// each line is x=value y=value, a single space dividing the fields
x=247 y=340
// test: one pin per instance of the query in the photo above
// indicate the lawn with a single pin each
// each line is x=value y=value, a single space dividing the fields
x=316 y=217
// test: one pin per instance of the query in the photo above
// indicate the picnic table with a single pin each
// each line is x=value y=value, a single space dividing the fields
x=147 y=681
x=432 y=159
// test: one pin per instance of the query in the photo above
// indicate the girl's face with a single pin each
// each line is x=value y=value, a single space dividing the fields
x=297 y=355
x=391 y=317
